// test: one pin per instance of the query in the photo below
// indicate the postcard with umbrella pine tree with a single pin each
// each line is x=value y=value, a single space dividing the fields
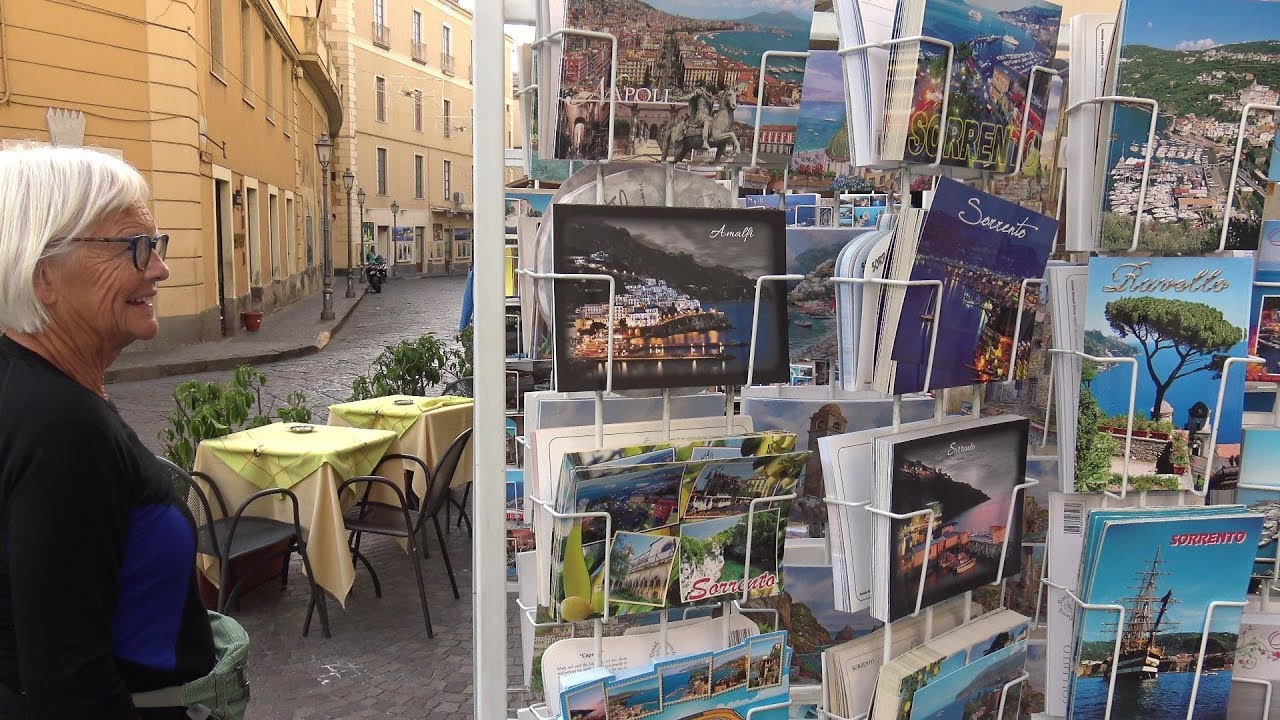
x=1179 y=319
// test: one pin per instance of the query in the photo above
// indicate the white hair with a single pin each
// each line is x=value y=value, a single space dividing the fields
x=47 y=195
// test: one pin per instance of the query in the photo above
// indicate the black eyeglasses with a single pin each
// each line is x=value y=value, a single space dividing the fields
x=141 y=246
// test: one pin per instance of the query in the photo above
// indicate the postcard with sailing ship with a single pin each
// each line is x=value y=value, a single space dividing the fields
x=981 y=248
x=1165 y=571
x=684 y=282
x=687 y=79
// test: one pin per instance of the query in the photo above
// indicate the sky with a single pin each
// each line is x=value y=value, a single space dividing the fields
x=639 y=543
x=741 y=468
x=988 y=467
x=589 y=698
x=823 y=78
x=1235 y=300
x=813 y=587
x=706 y=528
x=752 y=257
x=1185 y=25
x=1197 y=574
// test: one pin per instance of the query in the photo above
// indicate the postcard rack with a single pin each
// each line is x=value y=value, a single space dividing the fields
x=728 y=607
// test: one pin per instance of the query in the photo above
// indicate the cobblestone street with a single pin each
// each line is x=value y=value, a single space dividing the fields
x=406 y=308
x=379 y=662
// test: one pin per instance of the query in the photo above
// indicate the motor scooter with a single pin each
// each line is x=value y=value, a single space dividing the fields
x=376 y=274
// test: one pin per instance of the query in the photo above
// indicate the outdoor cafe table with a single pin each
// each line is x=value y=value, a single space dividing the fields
x=311 y=465
x=424 y=428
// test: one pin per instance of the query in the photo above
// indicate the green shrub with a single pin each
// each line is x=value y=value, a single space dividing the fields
x=412 y=367
x=207 y=410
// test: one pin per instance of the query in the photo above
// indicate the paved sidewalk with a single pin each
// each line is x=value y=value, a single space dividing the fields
x=291 y=331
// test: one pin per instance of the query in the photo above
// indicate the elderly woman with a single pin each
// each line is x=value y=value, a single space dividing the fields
x=99 y=612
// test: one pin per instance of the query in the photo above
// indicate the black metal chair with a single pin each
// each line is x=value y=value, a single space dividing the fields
x=232 y=536
x=407 y=519
x=461 y=387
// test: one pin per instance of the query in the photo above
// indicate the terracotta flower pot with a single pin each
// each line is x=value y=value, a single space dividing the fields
x=252 y=320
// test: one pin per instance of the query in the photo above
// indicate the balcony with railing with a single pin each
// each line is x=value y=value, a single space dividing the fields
x=318 y=63
x=381 y=35
x=419 y=52
x=446 y=63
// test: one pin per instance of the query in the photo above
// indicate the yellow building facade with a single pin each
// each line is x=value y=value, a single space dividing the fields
x=408 y=132
x=219 y=104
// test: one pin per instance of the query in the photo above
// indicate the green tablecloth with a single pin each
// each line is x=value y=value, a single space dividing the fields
x=396 y=413
x=273 y=456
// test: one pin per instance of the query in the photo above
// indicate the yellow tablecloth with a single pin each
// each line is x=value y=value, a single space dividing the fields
x=426 y=428
x=311 y=465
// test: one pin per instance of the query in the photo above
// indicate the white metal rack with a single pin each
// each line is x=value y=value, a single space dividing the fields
x=489 y=89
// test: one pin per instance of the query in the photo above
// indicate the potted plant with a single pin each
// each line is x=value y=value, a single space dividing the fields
x=411 y=367
x=207 y=410
x=1181 y=456
x=1141 y=427
x=251 y=319
x=1161 y=429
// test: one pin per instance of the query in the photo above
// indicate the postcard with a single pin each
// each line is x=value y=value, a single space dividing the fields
x=811 y=303
x=1264 y=327
x=806 y=607
x=525 y=203
x=638 y=697
x=727 y=488
x=974 y=690
x=684 y=291
x=822 y=130
x=1259 y=458
x=1257 y=658
x=981 y=248
x=1165 y=572
x=996 y=46
x=729 y=669
x=687 y=80
x=640 y=567
x=1194 y=64
x=819 y=418
x=584 y=703
x=548 y=409
x=685 y=679
x=637 y=498
x=713 y=556
x=1176 y=318
x=765 y=661
x=967 y=476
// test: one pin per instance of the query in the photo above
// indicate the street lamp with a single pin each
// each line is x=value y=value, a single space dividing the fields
x=324 y=150
x=349 y=181
x=395 y=210
x=360 y=199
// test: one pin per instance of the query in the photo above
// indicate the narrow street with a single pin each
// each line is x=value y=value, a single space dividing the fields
x=406 y=309
x=379 y=662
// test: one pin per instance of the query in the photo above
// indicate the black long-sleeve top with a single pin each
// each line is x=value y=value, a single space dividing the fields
x=98 y=596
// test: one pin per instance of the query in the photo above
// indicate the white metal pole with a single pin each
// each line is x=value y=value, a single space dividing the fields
x=488 y=592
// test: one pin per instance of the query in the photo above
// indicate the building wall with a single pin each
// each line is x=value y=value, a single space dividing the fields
x=140 y=73
x=416 y=79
